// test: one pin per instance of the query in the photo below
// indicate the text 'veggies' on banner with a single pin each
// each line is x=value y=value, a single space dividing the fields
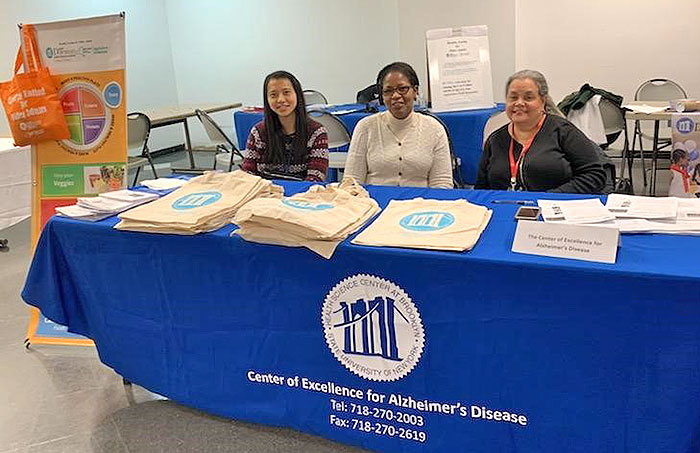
x=87 y=62
x=459 y=68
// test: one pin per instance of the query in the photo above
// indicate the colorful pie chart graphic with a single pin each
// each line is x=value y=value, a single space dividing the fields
x=87 y=116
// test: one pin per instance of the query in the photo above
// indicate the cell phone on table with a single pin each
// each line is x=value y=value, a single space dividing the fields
x=527 y=213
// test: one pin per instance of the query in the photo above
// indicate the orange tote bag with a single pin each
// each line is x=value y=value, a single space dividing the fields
x=31 y=100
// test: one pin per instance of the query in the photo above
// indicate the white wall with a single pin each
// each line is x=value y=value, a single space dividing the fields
x=417 y=16
x=222 y=51
x=180 y=51
x=150 y=74
x=614 y=45
x=184 y=52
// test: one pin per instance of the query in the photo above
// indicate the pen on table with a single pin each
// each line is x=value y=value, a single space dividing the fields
x=522 y=202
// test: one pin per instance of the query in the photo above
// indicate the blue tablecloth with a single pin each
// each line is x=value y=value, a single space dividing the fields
x=581 y=356
x=466 y=130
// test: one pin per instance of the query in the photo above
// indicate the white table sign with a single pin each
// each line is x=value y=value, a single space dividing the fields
x=459 y=68
x=578 y=242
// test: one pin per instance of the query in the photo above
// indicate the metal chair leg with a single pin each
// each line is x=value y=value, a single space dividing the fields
x=626 y=159
x=150 y=161
x=655 y=157
x=638 y=132
x=136 y=176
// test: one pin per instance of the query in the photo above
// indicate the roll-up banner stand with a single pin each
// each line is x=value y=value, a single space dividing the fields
x=87 y=61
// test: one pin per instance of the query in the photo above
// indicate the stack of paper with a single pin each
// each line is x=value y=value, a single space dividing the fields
x=80 y=213
x=204 y=203
x=587 y=211
x=105 y=205
x=318 y=219
x=453 y=225
x=117 y=201
x=636 y=207
x=655 y=215
x=645 y=108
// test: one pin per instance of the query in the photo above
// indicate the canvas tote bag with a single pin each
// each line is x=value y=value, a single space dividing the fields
x=205 y=203
x=454 y=225
x=318 y=219
x=324 y=213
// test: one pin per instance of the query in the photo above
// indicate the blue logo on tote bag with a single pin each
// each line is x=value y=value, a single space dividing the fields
x=427 y=221
x=196 y=200
x=300 y=204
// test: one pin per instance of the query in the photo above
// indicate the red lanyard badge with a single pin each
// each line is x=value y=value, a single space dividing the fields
x=526 y=147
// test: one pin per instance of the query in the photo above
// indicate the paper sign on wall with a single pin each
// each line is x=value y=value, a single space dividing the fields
x=459 y=68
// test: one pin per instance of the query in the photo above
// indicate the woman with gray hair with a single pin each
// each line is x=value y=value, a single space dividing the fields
x=539 y=150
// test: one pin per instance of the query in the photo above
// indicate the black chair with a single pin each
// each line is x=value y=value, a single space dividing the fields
x=369 y=94
x=457 y=180
x=219 y=138
x=611 y=182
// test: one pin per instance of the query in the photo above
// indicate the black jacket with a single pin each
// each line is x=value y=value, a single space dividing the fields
x=578 y=99
x=561 y=159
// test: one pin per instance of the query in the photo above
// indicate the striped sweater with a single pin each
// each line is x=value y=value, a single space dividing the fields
x=311 y=167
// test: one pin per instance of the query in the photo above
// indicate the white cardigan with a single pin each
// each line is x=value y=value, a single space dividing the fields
x=413 y=152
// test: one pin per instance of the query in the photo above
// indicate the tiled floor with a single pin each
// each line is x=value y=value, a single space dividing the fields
x=62 y=399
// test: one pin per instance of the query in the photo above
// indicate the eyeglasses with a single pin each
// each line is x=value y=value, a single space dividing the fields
x=389 y=92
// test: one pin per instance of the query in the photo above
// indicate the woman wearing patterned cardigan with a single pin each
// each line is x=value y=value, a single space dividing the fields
x=287 y=142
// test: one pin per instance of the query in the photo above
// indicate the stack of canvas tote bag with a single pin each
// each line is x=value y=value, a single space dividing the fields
x=453 y=225
x=204 y=204
x=318 y=219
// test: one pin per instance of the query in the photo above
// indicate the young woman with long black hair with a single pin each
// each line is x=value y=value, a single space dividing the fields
x=287 y=142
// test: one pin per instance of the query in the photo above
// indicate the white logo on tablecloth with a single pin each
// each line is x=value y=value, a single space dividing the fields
x=373 y=328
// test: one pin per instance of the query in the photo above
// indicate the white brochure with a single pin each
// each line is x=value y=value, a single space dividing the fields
x=687 y=221
x=129 y=195
x=589 y=210
x=80 y=213
x=164 y=183
x=631 y=206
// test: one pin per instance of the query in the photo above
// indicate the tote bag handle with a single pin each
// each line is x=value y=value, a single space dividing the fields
x=32 y=51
